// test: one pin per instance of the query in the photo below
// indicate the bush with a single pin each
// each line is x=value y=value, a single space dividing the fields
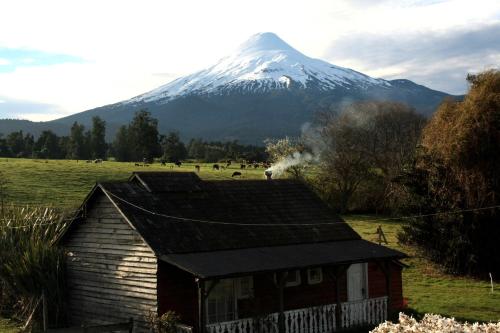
x=166 y=323
x=434 y=323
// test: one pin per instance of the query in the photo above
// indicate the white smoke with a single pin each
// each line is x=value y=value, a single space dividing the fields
x=310 y=141
x=295 y=159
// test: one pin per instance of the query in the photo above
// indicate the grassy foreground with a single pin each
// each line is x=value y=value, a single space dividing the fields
x=64 y=183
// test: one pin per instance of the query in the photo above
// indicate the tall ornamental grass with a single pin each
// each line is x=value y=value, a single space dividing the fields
x=30 y=261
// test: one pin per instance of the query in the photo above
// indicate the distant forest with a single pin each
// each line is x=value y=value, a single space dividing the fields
x=137 y=141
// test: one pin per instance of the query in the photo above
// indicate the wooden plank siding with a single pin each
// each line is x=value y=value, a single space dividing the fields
x=111 y=272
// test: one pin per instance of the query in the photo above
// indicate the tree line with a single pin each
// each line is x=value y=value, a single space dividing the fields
x=385 y=158
x=137 y=141
x=79 y=144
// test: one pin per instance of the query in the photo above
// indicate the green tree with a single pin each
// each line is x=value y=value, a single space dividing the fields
x=144 y=138
x=48 y=146
x=98 y=141
x=77 y=142
x=121 y=145
x=15 y=141
x=173 y=148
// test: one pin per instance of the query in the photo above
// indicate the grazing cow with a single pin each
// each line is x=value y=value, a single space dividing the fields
x=98 y=160
x=197 y=167
x=236 y=173
x=215 y=167
x=89 y=161
x=178 y=163
x=163 y=163
x=256 y=166
x=243 y=166
x=137 y=164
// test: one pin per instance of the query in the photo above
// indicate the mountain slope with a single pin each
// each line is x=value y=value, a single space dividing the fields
x=264 y=89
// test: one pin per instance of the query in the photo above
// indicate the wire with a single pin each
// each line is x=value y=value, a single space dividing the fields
x=287 y=224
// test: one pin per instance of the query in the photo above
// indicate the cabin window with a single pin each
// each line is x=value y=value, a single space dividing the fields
x=292 y=280
x=314 y=275
x=221 y=305
x=244 y=287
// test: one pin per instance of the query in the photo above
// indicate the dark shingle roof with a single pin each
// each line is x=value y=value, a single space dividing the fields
x=258 y=202
x=246 y=261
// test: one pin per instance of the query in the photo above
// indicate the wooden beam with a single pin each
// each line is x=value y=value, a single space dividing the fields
x=201 y=305
x=281 y=281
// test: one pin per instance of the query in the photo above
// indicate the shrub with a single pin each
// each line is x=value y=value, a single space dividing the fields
x=166 y=323
x=434 y=323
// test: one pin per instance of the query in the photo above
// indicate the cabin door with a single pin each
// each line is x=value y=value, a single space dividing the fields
x=357 y=282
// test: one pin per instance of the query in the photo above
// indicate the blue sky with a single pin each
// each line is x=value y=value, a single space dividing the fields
x=10 y=59
x=61 y=57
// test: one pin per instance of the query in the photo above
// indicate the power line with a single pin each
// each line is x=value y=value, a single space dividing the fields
x=179 y=218
x=289 y=224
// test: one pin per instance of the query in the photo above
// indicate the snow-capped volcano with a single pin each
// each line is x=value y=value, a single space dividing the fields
x=264 y=62
x=265 y=88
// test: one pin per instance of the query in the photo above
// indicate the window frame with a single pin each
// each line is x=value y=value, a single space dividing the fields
x=298 y=278
x=309 y=280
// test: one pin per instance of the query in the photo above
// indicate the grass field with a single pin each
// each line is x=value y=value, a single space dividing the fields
x=65 y=184
x=429 y=290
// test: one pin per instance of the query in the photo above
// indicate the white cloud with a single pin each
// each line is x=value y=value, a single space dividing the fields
x=124 y=43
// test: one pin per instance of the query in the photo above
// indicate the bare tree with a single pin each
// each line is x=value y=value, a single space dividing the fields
x=367 y=142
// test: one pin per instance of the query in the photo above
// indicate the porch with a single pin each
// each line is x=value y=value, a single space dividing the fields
x=318 y=319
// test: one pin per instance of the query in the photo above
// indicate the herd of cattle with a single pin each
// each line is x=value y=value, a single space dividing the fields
x=216 y=166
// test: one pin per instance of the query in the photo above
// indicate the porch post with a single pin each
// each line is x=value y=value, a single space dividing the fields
x=281 y=315
x=336 y=274
x=201 y=306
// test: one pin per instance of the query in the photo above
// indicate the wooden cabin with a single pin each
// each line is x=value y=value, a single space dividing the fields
x=229 y=256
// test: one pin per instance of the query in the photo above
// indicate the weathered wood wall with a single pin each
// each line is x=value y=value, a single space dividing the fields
x=111 y=272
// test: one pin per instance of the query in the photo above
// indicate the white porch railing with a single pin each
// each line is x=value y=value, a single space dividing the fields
x=368 y=311
x=318 y=319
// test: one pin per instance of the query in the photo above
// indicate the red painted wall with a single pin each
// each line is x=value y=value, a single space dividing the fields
x=178 y=291
x=377 y=284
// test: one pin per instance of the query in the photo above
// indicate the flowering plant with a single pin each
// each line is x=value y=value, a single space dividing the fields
x=432 y=323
